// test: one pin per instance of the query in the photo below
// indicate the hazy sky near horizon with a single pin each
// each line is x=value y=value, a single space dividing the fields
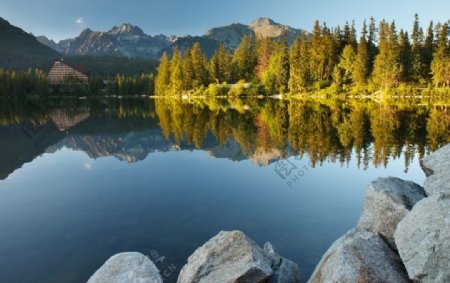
x=60 y=19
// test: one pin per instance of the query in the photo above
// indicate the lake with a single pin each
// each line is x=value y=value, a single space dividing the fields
x=81 y=180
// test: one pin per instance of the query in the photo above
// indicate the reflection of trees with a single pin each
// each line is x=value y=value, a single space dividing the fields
x=331 y=130
x=438 y=127
x=324 y=130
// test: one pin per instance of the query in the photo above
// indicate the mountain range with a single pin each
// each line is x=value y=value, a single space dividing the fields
x=20 y=50
x=131 y=41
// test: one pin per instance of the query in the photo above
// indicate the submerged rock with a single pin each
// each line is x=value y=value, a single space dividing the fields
x=360 y=256
x=388 y=200
x=423 y=239
x=129 y=267
x=227 y=257
x=437 y=167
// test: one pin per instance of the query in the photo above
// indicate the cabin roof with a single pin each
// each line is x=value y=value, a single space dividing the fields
x=60 y=71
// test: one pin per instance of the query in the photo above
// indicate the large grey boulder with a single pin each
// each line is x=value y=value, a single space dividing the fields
x=284 y=270
x=437 y=167
x=387 y=202
x=360 y=256
x=229 y=257
x=423 y=239
x=129 y=267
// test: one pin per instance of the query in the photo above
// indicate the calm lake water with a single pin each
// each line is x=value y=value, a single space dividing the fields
x=81 y=180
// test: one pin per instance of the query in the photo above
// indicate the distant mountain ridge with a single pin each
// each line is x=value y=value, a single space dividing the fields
x=21 y=50
x=131 y=41
x=124 y=40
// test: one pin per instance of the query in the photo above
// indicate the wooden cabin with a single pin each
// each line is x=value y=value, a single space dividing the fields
x=60 y=72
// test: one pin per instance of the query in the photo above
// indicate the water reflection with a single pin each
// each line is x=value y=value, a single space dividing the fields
x=169 y=184
x=261 y=130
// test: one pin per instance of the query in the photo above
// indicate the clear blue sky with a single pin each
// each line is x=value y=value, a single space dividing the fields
x=60 y=19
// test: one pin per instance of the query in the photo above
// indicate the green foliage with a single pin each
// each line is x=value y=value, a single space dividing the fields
x=362 y=61
x=23 y=83
x=215 y=89
x=440 y=66
x=131 y=85
x=388 y=68
x=238 y=89
x=244 y=60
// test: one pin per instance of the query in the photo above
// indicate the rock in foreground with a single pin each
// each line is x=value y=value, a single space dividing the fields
x=360 y=256
x=130 y=267
x=423 y=239
x=232 y=257
x=387 y=202
x=437 y=167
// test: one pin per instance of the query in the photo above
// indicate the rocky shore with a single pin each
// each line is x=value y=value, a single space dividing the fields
x=403 y=235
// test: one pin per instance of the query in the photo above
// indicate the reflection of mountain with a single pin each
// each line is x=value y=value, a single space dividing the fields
x=22 y=143
x=126 y=146
x=125 y=139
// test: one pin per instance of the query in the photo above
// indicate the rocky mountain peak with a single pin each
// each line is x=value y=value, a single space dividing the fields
x=261 y=22
x=86 y=32
x=127 y=28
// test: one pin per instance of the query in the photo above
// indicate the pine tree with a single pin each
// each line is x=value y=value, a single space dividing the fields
x=176 y=73
x=295 y=60
x=199 y=62
x=387 y=68
x=224 y=63
x=284 y=66
x=264 y=49
x=324 y=53
x=219 y=65
x=417 y=52
x=347 y=63
x=440 y=66
x=428 y=50
x=361 y=70
x=372 y=47
x=305 y=57
x=162 y=81
x=244 y=59
x=405 y=56
x=188 y=70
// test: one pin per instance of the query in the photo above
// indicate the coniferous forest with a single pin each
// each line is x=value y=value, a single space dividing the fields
x=338 y=59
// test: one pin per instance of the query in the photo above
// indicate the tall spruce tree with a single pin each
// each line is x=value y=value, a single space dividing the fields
x=371 y=44
x=347 y=64
x=244 y=59
x=295 y=57
x=440 y=66
x=162 y=81
x=387 y=69
x=361 y=70
x=176 y=73
x=428 y=49
x=284 y=66
x=199 y=63
x=188 y=70
x=417 y=73
x=405 y=56
x=264 y=50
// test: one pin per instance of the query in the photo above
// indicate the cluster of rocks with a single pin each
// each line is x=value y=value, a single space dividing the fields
x=227 y=257
x=403 y=235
